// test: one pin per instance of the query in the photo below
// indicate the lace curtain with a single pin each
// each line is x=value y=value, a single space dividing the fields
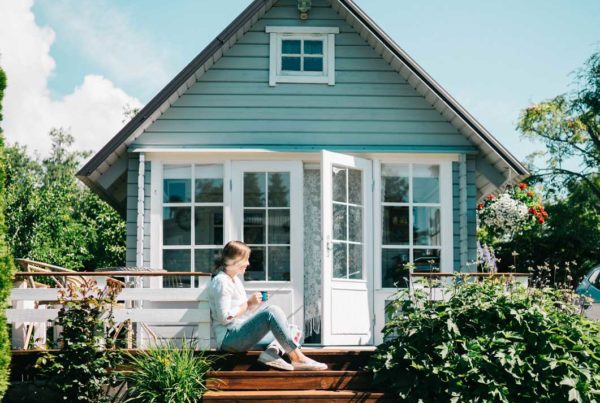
x=312 y=252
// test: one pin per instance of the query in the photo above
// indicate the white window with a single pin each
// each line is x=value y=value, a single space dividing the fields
x=192 y=219
x=302 y=55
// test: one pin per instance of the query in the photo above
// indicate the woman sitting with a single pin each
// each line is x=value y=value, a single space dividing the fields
x=237 y=324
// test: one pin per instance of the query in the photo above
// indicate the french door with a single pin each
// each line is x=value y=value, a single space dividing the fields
x=347 y=228
x=266 y=211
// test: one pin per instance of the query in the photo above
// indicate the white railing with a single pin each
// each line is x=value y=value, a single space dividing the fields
x=151 y=314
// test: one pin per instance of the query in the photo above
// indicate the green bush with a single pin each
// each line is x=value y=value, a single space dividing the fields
x=490 y=342
x=167 y=374
x=80 y=371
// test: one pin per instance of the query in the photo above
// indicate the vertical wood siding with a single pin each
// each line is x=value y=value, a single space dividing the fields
x=131 y=216
x=232 y=103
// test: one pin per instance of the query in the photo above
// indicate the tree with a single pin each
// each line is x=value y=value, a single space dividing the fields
x=569 y=127
x=6 y=265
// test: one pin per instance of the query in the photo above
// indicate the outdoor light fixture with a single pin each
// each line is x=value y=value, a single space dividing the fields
x=303 y=8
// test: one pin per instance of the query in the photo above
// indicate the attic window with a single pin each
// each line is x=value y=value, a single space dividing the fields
x=302 y=55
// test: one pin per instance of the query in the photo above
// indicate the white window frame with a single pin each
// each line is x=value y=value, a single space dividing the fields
x=325 y=34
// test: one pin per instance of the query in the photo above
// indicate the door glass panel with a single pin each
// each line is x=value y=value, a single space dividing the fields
x=339 y=222
x=177 y=222
x=355 y=261
x=394 y=183
x=426 y=226
x=209 y=183
x=395 y=226
x=254 y=189
x=279 y=189
x=355 y=186
x=254 y=226
x=339 y=184
x=206 y=260
x=355 y=224
x=393 y=263
x=208 y=225
x=340 y=260
x=279 y=226
x=426 y=184
x=426 y=260
x=177 y=260
x=256 y=270
x=177 y=184
x=279 y=263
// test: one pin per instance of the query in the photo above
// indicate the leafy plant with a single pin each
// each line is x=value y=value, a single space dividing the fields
x=81 y=369
x=489 y=342
x=167 y=374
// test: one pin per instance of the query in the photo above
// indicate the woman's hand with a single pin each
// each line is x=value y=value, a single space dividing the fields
x=254 y=300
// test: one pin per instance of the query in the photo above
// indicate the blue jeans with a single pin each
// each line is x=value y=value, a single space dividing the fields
x=246 y=335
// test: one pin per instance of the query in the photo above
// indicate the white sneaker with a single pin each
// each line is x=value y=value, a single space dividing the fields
x=309 y=365
x=271 y=359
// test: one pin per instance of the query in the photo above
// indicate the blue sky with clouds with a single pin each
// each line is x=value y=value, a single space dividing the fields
x=494 y=57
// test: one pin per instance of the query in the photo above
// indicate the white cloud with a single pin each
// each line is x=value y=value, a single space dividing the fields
x=93 y=111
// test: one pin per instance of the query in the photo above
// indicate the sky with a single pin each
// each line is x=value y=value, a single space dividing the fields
x=78 y=64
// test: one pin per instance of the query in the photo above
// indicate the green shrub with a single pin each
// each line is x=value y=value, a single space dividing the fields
x=80 y=371
x=167 y=374
x=490 y=342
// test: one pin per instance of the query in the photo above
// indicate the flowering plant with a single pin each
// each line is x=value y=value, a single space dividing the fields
x=517 y=209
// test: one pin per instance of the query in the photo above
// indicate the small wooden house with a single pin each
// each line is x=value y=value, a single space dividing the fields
x=307 y=132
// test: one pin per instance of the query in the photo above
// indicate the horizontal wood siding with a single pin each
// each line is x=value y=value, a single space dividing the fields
x=471 y=215
x=233 y=105
x=131 y=216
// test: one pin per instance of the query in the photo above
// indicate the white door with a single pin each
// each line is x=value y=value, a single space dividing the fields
x=266 y=202
x=346 y=183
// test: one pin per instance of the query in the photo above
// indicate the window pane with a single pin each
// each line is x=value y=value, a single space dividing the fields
x=355 y=224
x=290 y=63
x=206 y=260
x=256 y=270
x=209 y=225
x=290 y=47
x=393 y=272
x=426 y=184
x=313 y=47
x=339 y=222
x=254 y=189
x=426 y=260
x=279 y=189
x=177 y=184
x=394 y=183
x=313 y=64
x=339 y=184
x=254 y=226
x=355 y=186
x=426 y=226
x=279 y=227
x=395 y=228
x=355 y=263
x=340 y=260
x=279 y=263
x=177 y=222
x=177 y=260
x=209 y=183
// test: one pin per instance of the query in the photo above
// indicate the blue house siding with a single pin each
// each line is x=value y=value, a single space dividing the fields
x=370 y=105
x=131 y=216
x=471 y=215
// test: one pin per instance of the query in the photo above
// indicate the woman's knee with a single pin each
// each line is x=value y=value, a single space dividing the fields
x=275 y=311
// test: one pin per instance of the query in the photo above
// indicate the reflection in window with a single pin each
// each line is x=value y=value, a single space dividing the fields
x=267 y=225
x=411 y=221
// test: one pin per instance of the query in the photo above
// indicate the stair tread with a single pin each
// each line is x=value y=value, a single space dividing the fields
x=290 y=374
x=283 y=393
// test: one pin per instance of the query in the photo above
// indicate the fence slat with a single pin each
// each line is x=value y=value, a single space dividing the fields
x=153 y=316
x=127 y=294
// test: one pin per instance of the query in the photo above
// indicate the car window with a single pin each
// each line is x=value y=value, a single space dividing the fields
x=595 y=278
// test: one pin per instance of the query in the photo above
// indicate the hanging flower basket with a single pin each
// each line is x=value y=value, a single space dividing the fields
x=514 y=211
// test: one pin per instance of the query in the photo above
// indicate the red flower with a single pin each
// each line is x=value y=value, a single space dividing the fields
x=545 y=214
x=530 y=194
x=531 y=210
x=522 y=186
x=541 y=220
x=479 y=206
x=491 y=197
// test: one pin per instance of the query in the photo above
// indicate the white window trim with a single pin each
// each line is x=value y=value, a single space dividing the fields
x=326 y=34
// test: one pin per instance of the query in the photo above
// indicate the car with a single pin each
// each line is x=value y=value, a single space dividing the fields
x=590 y=285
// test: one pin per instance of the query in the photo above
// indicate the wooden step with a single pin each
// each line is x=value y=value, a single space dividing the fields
x=299 y=396
x=337 y=360
x=289 y=380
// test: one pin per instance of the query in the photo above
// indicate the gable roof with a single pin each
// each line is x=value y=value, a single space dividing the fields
x=111 y=156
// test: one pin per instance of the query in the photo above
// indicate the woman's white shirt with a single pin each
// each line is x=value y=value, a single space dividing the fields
x=226 y=296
